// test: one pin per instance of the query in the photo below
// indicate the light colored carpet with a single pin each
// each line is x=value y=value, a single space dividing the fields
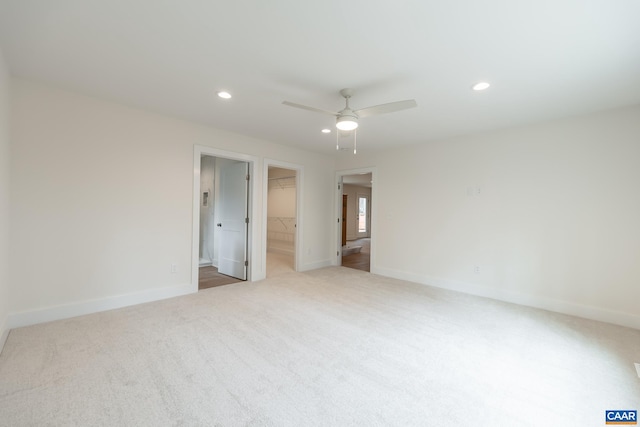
x=331 y=347
x=278 y=264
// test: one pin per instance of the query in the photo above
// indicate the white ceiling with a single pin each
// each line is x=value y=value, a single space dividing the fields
x=545 y=59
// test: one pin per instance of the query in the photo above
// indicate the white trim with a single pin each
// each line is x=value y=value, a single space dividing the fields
x=4 y=333
x=17 y=320
x=337 y=235
x=563 y=307
x=299 y=235
x=316 y=265
x=256 y=271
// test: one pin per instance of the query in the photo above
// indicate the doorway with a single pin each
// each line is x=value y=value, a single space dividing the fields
x=282 y=220
x=356 y=213
x=223 y=221
x=222 y=233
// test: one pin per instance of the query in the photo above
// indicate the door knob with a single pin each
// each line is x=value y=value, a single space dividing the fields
x=219 y=224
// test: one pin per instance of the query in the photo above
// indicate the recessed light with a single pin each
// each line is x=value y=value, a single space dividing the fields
x=224 y=95
x=481 y=86
x=326 y=131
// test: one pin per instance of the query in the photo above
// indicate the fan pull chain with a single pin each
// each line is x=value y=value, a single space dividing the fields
x=346 y=134
x=355 y=133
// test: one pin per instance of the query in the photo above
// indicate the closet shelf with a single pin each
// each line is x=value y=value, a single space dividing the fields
x=281 y=228
x=282 y=182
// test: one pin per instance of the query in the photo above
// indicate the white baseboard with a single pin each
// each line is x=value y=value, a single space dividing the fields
x=4 y=333
x=564 y=307
x=316 y=265
x=66 y=311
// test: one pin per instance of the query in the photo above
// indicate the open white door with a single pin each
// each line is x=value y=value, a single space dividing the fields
x=233 y=224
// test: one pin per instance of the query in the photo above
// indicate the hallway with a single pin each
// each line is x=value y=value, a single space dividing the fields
x=360 y=260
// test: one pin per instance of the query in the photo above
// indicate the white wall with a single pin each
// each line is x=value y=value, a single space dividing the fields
x=549 y=213
x=103 y=200
x=4 y=199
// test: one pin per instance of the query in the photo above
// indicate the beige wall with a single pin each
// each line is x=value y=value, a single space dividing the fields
x=103 y=197
x=4 y=198
x=282 y=193
x=281 y=210
x=549 y=214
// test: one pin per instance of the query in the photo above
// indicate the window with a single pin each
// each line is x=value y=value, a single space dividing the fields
x=362 y=214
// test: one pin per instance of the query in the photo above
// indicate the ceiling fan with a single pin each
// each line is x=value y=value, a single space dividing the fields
x=347 y=119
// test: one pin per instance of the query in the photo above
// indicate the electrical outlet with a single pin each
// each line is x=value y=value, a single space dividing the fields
x=476 y=269
x=174 y=268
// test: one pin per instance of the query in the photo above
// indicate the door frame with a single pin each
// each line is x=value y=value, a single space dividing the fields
x=337 y=234
x=343 y=215
x=253 y=246
x=298 y=236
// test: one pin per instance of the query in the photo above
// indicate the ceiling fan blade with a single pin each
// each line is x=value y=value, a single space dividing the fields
x=304 y=107
x=387 y=108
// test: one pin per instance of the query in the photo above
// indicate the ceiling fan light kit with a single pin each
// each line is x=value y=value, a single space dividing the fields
x=347 y=119
x=346 y=122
